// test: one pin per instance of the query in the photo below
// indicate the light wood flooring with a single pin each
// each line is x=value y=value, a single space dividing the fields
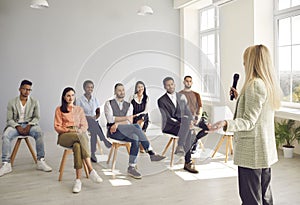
x=216 y=183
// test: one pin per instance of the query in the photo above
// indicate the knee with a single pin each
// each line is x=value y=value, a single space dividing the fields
x=36 y=132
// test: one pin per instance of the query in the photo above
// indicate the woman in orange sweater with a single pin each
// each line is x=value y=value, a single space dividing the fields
x=71 y=125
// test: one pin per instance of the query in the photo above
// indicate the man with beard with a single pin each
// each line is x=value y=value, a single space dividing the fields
x=119 y=118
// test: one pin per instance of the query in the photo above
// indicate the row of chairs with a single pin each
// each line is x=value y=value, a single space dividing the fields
x=116 y=144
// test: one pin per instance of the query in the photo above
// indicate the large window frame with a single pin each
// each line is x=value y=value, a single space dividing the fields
x=279 y=15
x=210 y=86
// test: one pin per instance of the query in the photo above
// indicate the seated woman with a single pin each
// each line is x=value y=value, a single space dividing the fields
x=139 y=102
x=71 y=125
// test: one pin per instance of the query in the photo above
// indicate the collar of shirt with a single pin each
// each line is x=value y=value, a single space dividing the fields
x=173 y=98
x=120 y=103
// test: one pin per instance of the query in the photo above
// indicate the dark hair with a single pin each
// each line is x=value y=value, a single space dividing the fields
x=167 y=79
x=187 y=76
x=87 y=82
x=145 y=96
x=118 y=84
x=25 y=82
x=64 y=104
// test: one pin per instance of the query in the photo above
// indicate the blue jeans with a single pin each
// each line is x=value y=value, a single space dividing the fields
x=11 y=133
x=134 y=134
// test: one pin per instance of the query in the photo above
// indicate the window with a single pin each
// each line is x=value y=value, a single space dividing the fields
x=209 y=59
x=287 y=49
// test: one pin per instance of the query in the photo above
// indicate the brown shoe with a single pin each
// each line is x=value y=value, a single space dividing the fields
x=190 y=168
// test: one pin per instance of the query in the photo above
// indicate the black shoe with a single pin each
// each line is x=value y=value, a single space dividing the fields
x=93 y=158
x=190 y=168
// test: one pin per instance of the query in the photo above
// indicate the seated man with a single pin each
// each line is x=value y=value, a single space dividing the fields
x=23 y=114
x=177 y=120
x=118 y=114
x=195 y=105
x=91 y=108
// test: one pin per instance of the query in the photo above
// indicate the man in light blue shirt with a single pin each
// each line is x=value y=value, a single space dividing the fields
x=91 y=108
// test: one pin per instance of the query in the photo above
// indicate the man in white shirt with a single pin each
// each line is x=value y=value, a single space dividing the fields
x=119 y=116
x=23 y=114
x=177 y=120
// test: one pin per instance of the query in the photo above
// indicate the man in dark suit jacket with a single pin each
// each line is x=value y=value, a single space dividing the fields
x=177 y=119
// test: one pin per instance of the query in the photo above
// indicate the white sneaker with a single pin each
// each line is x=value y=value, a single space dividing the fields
x=95 y=177
x=77 y=186
x=5 y=169
x=42 y=165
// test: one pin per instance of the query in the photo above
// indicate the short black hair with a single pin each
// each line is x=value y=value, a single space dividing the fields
x=167 y=79
x=25 y=82
x=87 y=82
x=187 y=76
x=117 y=85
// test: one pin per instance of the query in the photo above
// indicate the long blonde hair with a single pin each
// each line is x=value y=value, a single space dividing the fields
x=258 y=64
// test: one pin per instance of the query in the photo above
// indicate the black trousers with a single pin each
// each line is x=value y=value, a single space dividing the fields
x=254 y=186
x=193 y=145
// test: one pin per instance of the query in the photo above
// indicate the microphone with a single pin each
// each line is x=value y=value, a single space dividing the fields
x=235 y=80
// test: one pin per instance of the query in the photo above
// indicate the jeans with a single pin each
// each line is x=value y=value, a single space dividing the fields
x=11 y=133
x=134 y=134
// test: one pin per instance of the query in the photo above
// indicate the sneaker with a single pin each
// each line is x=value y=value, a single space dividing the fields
x=133 y=172
x=95 y=177
x=77 y=186
x=179 y=151
x=156 y=157
x=42 y=165
x=5 y=169
x=190 y=168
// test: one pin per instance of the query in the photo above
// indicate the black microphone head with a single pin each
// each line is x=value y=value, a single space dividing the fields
x=235 y=80
x=236 y=77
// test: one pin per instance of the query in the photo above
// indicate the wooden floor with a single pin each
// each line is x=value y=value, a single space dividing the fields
x=159 y=185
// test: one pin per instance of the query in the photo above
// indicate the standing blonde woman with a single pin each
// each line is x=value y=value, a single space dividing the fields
x=71 y=125
x=253 y=127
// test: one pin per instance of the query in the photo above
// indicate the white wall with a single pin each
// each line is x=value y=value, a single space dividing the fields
x=236 y=34
x=75 y=40
x=242 y=23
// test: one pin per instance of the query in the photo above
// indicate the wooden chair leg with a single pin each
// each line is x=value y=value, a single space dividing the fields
x=227 y=149
x=173 y=150
x=15 y=150
x=62 y=163
x=231 y=145
x=31 y=149
x=113 y=146
x=218 y=146
x=167 y=146
x=114 y=158
x=86 y=170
